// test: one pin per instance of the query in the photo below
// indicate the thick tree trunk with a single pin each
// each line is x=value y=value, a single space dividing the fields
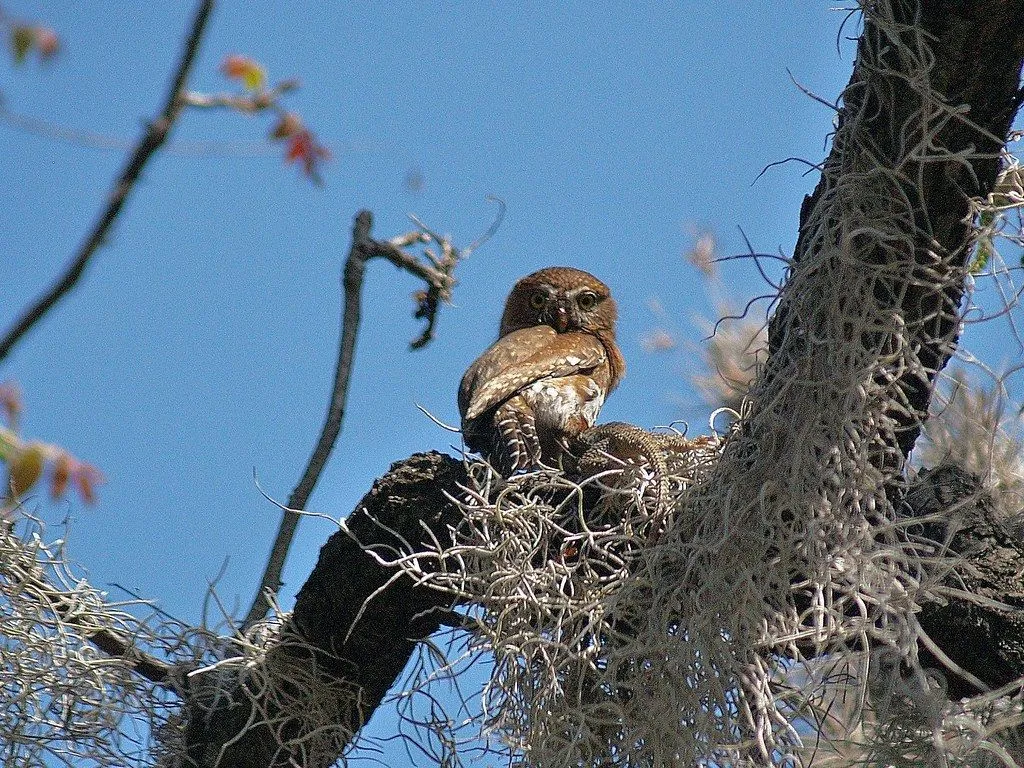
x=977 y=48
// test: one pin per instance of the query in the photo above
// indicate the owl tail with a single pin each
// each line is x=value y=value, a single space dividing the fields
x=516 y=446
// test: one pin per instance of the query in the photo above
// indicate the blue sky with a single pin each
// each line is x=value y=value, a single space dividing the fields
x=200 y=345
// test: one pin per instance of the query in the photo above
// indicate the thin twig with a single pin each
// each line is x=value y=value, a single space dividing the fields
x=251 y=102
x=106 y=142
x=156 y=134
x=440 y=282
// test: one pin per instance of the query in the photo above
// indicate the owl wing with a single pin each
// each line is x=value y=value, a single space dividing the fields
x=517 y=360
x=509 y=350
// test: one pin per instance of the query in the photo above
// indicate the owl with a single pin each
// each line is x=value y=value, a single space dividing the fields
x=546 y=377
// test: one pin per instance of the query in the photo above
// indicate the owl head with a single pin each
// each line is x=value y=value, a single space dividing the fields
x=567 y=299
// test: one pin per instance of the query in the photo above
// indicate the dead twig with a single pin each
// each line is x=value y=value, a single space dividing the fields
x=266 y=98
x=438 y=274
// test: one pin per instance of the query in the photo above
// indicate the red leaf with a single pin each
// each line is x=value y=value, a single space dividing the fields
x=298 y=147
x=86 y=478
x=62 y=467
x=47 y=42
x=303 y=147
x=10 y=403
x=249 y=71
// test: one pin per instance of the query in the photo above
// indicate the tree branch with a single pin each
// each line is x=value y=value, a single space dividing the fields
x=354 y=650
x=266 y=98
x=346 y=643
x=116 y=646
x=982 y=629
x=156 y=133
x=18 y=569
x=440 y=281
x=977 y=49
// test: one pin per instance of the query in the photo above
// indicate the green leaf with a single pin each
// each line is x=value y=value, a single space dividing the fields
x=981 y=256
x=8 y=443
x=253 y=78
x=22 y=40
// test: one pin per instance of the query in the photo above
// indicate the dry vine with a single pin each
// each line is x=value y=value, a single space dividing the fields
x=75 y=689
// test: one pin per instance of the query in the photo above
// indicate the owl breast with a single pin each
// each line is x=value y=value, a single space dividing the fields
x=566 y=404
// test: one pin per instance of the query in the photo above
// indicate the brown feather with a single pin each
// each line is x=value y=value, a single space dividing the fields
x=563 y=355
x=547 y=375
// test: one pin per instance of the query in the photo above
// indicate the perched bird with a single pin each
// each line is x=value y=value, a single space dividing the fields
x=546 y=377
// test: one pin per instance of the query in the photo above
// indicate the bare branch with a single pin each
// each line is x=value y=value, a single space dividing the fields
x=25 y=575
x=266 y=98
x=156 y=134
x=347 y=656
x=440 y=282
x=118 y=647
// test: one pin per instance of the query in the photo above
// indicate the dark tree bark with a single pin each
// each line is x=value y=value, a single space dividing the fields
x=334 y=636
x=986 y=640
x=978 y=48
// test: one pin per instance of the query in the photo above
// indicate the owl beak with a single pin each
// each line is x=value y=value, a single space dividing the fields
x=561 y=319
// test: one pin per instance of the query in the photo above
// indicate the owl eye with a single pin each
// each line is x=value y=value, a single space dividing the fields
x=538 y=299
x=586 y=300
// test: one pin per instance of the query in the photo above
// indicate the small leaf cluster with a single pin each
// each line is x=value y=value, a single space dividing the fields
x=30 y=461
x=301 y=145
